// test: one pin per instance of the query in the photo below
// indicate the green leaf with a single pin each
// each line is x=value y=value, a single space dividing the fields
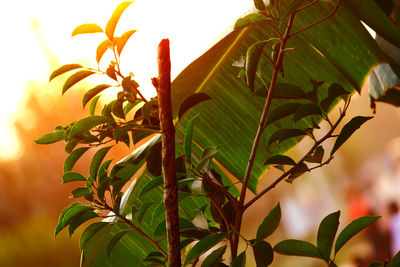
x=296 y=247
x=270 y=223
x=240 y=260
x=248 y=20
x=298 y=171
x=68 y=214
x=280 y=159
x=96 y=161
x=80 y=191
x=93 y=92
x=122 y=41
x=111 y=243
x=154 y=160
x=348 y=130
x=306 y=110
x=203 y=246
x=75 y=78
x=92 y=106
x=90 y=231
x=253 y=56
x=326 y=234
x=87 y=28
x=188 y=138
x=334 y=91
x=352 y=229
x=102 y=48
x=73 y=158
x=395 y=260
x=206 y=157
x=118 y=109
x=153 y=183
x=317 y=156
x=259 y=4
x=50 y=138
x=88 y=123
x=63 y=69
x=288 y=91
x=113 y=21
x=281 y=112
x=73 y=176
x=161 y=229
x=391 y=96
x=283 y=134
x=190 y=102
x=81 y=218
x=263 y=253
x=214 y=257
x=142 y=211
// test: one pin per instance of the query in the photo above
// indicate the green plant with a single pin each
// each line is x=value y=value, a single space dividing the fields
x=295 y=97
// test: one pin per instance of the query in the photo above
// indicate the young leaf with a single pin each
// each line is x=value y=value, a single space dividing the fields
x=118 y=109
x=280 y=159
x=93 y=103
x=50 y=138
x=297 y=248
x=73 y=158
x=190 y=102
x=206 y=157
x=259 y=4
x=214 y=257
x=263 y=253
x=281 y=112
x=64 y=69
x=352 y=229
x=326 y=234
x=81 y=218
x=203 y=246
x=73 y=176
x=112 y=23
x=306 y=110
x=76 y=77
x=90 y=231
x=87 y=28
x=248 y=20
x=93 y=92
x=80 y=191
x=270 y=223
x=253 y=56
x=153 y=183
x=348 y=130
x=96 y=161
x=102 y=48
x=240 y=260
x=188 y=138
x=122 y=41
x=88 y=123
x=111 y=243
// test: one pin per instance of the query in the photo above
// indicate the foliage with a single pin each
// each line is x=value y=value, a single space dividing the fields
x=293 y=104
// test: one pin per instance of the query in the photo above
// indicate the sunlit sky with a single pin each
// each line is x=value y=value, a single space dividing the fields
x=37 y=35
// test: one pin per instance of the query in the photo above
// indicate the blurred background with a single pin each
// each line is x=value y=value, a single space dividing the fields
x=362 y=179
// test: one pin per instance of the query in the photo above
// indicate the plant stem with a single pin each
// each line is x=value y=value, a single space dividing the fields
x=168 y=154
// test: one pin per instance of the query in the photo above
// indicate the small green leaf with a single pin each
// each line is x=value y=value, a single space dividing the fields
x=73 y=176
x=50 y=138
x=154 y=160
x=122 y=41
x=190 y=102
x=326 y=234
x=263 y=253
x=102 y=48
x=206 y=157
x=161 y=229
x=93 y=103
x=112 y=242
x=153 y=183
x=270 y=223
x=203 y=246
x=63 y=69
x=317 y=156
x=280 y=159
x=73 y=158
x=96 y=161
x=391 y=96
x=87 y=28
x=113 y=21
x=288 y=91
x=142 y=211
x=283 y=134
x=253 y=56
x=75 y=78
x=68 y=214
x=93 y=92
x=281 y=112
x=352 y=229
x=240 y=260
x=81 y=218
x=334 y=91
x=295 y=247
x=259 y=4
x=214 y=257
x=248 y=20
x=90 y=231
x=80 y=191
x=395 y=260
x=88 y=123
x=159 y=211
x=188 y=138
x=348 y=130
x=118 y=109
x=306 y=110
x=298 y=171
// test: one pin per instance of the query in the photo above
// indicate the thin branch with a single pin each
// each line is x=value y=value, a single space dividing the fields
x=319 y=21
